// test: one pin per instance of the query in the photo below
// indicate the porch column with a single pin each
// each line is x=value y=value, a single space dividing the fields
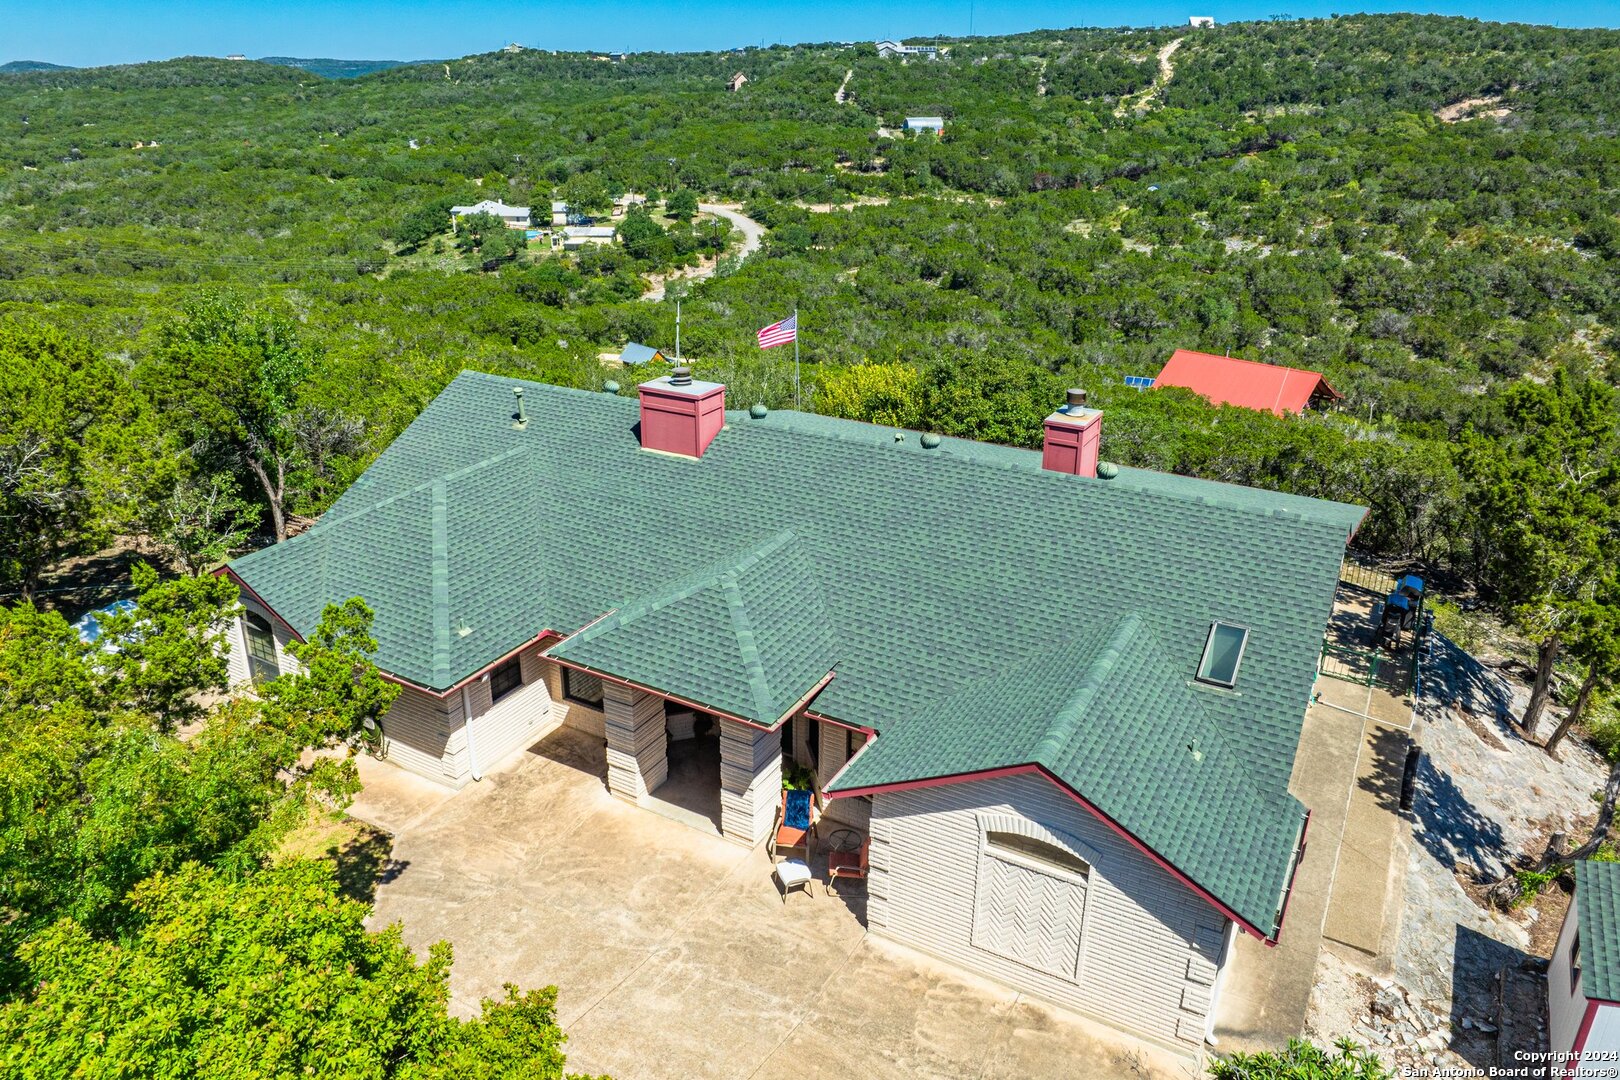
x=634 y=725
x=750 y=780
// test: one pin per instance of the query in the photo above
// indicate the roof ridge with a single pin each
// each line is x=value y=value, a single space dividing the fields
x=425 y=485
x=440 y=581
x=1246 y=360
x=1102 y=665
x=710 y=573
x=742 y=625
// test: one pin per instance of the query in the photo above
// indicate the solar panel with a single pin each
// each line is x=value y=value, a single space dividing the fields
x=1141 y=382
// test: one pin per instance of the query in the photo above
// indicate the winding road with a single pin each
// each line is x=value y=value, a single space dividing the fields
x=753 y=235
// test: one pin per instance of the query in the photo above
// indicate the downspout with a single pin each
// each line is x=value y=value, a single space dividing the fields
x=467 y=725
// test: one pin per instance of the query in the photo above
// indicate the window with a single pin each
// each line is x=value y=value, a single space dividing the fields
x=1028 y=849
x=505 y=679
x=583 y=688
x=1223 y=652
x=261 y=647
x=1575 y=963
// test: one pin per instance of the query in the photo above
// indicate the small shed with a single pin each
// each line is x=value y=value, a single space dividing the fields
x=635 y=353
x=1201 y=22
x=1227 y=380
x=735 y=83
x=936 y=124
x=1583 y=977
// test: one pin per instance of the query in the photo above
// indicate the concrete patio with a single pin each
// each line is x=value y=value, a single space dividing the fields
x=675 y=954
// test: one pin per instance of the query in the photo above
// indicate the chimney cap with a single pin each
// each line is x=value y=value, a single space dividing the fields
x=681 y=376
x=1075 y=398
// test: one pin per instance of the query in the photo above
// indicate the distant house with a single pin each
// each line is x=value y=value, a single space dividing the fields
x=236 y=56
x=623 y=203
x=513 y=48
x=574 y=237
x=887 y=49
x=936 y=124
x=635 y=353
x=1226 y=380
x=513 y=217
x=1583 y=977
x=559 y=213
x=735 y=83
x=1202 y=22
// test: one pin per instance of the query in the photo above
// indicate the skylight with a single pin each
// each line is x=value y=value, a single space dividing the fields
x=1223 y=652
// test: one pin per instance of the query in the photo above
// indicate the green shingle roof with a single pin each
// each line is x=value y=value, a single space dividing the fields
x=1597 y=898
x=748 y=635
x=938 y=570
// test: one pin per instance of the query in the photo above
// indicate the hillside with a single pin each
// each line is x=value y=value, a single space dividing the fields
x=328 y=68
x=13 y=66
x=1421 y=208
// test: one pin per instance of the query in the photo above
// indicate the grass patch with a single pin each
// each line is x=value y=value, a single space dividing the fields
x=363 y=854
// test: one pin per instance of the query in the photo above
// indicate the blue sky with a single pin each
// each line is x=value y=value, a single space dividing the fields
x=85 y=32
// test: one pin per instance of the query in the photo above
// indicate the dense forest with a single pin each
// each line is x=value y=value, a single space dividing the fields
x=226 y=286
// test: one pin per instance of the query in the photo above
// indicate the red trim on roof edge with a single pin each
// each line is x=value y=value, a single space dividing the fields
x=491 y=666
x=1013 y=770
x=871 y=732
x=1578 y=1048
x=245 y=587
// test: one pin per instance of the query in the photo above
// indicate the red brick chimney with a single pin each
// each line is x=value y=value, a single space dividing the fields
x=1073 y=437
x=680 y=415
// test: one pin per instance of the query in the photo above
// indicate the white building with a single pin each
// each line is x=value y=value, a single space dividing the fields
x=513 y=217
x=936 y=124
x=1583 y=978
x=1201 y=22
x=887 y=49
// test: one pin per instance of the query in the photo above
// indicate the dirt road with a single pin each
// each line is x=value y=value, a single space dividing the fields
x=753 y=235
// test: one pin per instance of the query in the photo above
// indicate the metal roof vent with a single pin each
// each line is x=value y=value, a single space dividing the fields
x=519 y=419
x=1075 y=400
x=929 y=440
x=681 y=376
x=610 y=387
x=758 y=412
x=1107 y=470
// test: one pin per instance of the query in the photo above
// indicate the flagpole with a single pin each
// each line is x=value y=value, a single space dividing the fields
x=796 y=405
x=677 y=331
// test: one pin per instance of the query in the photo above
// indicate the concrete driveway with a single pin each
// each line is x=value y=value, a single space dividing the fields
x=674 y=953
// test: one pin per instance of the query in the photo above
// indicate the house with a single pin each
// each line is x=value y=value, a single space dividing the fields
x=1201 y=22
x=1583 y=977
x=574 y=237
x=1060 y=698
x=236 y=56
x=1226 y=380
x=559 y=213
x=735 y=83
x=936 y=124
x=886 y=49
x=635 y=354
x=513 y=217
x=514 y=47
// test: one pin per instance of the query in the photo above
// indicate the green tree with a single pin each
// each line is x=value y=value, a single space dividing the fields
x=643 y=237
x=101 y=793
x=892 y=394
x=681 y=204
x=201 y=520
x=276 y=975
x=1592 y=639
x=229 y=377
x=63 y=412
x=587 y=193
x=1544 y=499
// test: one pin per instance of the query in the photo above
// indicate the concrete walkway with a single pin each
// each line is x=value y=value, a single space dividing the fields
x=1268 y=989
x=674 y=953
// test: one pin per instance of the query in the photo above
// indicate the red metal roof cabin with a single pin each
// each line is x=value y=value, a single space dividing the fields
x=1226 y=380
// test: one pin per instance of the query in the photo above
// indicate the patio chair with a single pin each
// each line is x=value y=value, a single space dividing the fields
x=793 y=874
x=795 y=823
x=847 y=864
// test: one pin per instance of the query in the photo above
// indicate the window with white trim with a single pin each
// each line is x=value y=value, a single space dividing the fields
x=1223 y=653
x=505 y=679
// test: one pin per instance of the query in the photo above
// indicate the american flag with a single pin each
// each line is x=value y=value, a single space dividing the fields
x=780 y=333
